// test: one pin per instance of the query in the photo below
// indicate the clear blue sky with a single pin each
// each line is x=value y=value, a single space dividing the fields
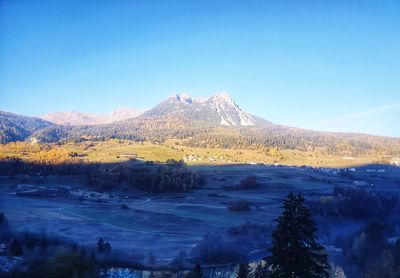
x=326 y=65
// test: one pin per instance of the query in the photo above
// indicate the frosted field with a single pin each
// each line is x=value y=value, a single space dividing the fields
x=166 y=224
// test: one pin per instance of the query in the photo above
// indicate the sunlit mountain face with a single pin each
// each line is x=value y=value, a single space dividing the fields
x=219 y=109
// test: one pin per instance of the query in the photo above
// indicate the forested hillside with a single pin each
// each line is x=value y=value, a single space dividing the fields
x=15 y=127
x=217 y=122
x=161 y=129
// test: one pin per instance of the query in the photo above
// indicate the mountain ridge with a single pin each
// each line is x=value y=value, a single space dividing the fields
x=218 y=109
x=14 y=127
x=80 y=118
x=216 y=122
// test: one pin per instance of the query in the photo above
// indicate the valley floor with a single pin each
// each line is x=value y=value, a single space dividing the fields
x=165 y=224
x=115 y=150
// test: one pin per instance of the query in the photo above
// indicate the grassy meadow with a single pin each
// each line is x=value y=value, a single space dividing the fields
x=123 y=150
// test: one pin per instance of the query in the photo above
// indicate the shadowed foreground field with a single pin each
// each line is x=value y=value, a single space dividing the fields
x=167 y=223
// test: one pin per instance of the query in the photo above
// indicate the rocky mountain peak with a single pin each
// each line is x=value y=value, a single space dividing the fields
x=184 y=98
x=224 y=97
x=219 y=109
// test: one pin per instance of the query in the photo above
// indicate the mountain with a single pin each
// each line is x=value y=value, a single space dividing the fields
x=78 y=118
x=216 y=122
x=15 y=127
x=73 y=118
x=219 y=109
x=123 y=113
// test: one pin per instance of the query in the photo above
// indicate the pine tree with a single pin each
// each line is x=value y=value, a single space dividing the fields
x=197 y=272
x=295 y=250
x=16 y=248
x=100 y=245
x=107 y=247
x=243 y=271
x=152 y=259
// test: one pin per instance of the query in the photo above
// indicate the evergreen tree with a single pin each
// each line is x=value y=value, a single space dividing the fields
x=107 y=247
x=197 y=272
x=100 y=245
x=44 y=243
x=16 y=248
x=242 y=271
x=295 y=250
x=152 y=259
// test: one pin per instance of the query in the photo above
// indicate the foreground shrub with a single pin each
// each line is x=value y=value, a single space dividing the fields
x=358 y=203
x=250 y=182
x=167 y=178
x=214 y=249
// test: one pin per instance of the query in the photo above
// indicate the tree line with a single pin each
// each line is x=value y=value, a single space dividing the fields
x=160 y=129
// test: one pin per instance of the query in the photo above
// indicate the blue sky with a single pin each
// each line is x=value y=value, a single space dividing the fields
x=325 y=65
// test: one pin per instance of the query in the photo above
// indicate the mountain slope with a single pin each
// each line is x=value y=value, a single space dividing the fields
x=78 y=118
x=195 y=134
x=15 y=127
x=216 y=122
x=219 y=109
x=73 y=118
x=123 y=113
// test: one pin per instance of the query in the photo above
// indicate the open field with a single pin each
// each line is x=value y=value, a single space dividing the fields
x=122 y=150
x=168 y=223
